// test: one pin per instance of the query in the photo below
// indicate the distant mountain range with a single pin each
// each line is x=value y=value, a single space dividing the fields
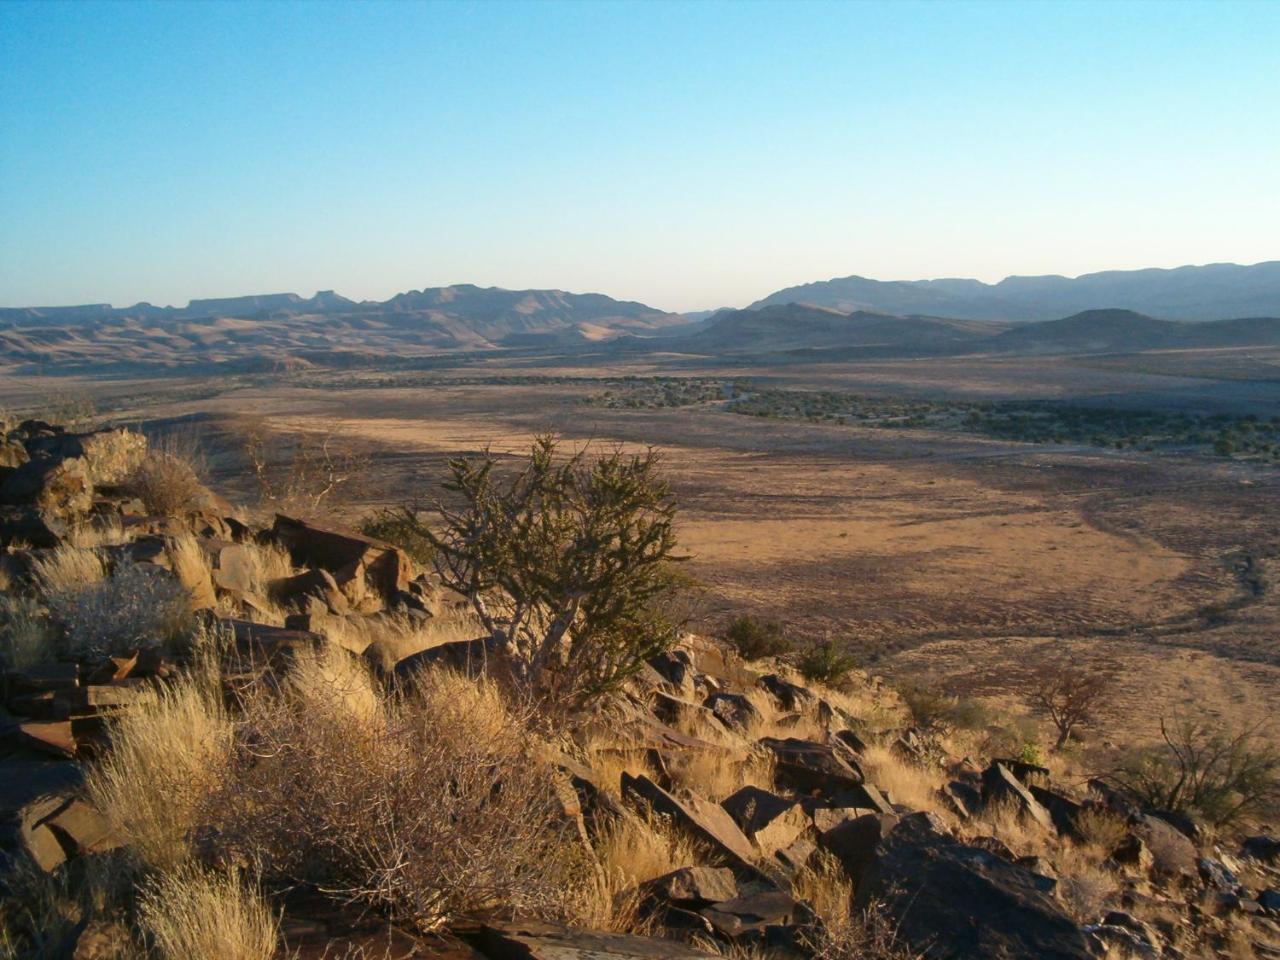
x=851 y=317
x=1213 y=292
x=438 y=319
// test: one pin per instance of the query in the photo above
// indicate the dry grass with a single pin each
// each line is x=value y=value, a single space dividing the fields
x=333 y=686
x=40 y=912
x=631 y=850
x=391 y=638
x=267 y=562
x=1084 y=885
x=167 y=757
x=906 y=782
x=1020 y=833
x=1101 y=829
x=25 y=638
x=427 y=805
x=827 y=888
x=609 y=758
x=190 y=914
x=105 y=531
x=715 y=776
x=67 y=569
x=190 y=565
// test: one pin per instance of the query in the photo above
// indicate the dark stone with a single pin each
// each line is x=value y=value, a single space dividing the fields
x=811 y=767
x=771 y=821
x=733 y=709
x=750 y=914
x=1262 y=847
x=999 y=785
x=963 y=799
x=792 y=696
x=1172 y=853
x=1214 y=874
x=854 y=842
x=852 y=741
x=675 y=667
x=60 y=487
x=1063 y=810
x=962 y=903
x=694 y=886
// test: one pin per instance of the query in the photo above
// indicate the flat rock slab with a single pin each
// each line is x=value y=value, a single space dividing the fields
x=536 y=941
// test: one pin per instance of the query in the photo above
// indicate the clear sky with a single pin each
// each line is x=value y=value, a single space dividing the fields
x=688 y=155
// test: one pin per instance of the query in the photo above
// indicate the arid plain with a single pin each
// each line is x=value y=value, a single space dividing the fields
x=936 y=554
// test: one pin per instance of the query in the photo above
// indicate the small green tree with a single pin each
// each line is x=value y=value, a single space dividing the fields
x=755 y=638
x=825 y=663
x=567 y=565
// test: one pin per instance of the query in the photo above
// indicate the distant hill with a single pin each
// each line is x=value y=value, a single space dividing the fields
x=789 y=327
x=1124 y=331
x=1213 y=292
x=272 y=327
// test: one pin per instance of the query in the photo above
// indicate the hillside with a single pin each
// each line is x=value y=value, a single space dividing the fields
x=278 y=327
x=1212 y=292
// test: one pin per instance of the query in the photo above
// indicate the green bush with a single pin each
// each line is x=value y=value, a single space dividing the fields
x=755 y=639
x=568 y=565
x=1225 y=776
x=400 y=527
x=825 y=663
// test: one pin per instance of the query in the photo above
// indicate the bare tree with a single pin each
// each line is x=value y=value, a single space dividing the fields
x=310 y=472
x=1069 y=690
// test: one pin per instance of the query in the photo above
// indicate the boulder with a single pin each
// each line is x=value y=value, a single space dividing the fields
x=675 y=667
x=999 y=785
x=360 y=565
x=32 y=527
x=953 y=901
x=60 y=487
x=771 y=821
x=1063 y=811
x=540 y=941
x=694 y=886
x=1133 y=852
x=1262 y=847
x=748 y=916
x=708 y=821
x=854 y=841
x=1172 y=853
x=792 y=696
x=796 y=857
x=962 y=799
x=811 y=767
x=733 y=710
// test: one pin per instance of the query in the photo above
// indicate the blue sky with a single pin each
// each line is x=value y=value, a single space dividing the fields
x=685 y=154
